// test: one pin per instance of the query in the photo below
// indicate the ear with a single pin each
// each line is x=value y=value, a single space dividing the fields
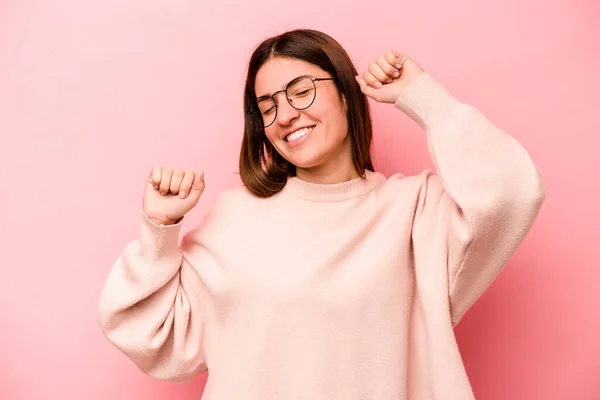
x=345 y=104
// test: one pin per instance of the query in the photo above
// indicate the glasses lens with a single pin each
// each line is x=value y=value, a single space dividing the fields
x=301 y=93
x=268 y=111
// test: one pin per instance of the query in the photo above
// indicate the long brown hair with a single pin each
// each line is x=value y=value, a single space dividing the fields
x=262 y=169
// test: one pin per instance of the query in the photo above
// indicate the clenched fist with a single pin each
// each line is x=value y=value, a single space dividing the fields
x=388 y=76
x=170 y=193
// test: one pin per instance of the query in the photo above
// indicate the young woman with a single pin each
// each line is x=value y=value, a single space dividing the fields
x=320 y=278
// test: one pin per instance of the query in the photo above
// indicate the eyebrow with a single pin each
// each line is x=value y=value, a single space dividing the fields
x=263 y=96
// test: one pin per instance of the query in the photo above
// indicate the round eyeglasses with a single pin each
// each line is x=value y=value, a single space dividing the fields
x=300 y=94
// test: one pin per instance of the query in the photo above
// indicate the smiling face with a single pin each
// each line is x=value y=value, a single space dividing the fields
x=315 y=139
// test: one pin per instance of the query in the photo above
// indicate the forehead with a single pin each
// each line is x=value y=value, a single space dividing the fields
x=278 y=71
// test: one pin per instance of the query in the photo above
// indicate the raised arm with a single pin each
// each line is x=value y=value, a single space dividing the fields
x=486 y=194
x=474 y=213
x=153 y=305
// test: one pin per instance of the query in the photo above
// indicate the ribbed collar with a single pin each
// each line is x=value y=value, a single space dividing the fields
x=333 y=192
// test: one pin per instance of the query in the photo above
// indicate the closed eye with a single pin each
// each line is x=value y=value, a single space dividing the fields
x=268 y=110
x=303 y=92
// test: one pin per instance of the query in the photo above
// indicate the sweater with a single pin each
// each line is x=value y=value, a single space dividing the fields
x=346 y=291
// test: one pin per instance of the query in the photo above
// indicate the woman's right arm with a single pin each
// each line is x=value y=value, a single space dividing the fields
x=152 y=304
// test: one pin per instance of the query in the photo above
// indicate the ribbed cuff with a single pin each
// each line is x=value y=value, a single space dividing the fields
x=161 y=238
x=428 y=103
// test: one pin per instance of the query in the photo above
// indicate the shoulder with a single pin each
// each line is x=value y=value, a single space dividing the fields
x=224 y=214
x=234 y=197
x=399 y=183
x=231 y=204
x=411 y=192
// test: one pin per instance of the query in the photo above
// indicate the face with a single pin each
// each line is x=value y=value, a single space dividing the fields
x=312 y=139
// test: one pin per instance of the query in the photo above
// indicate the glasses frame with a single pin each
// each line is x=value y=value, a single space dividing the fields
x=284 y=90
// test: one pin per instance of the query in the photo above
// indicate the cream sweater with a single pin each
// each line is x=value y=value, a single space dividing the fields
x=332 y=292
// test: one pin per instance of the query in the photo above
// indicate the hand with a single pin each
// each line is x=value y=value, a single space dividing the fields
x=169 y=194
x=387 y=77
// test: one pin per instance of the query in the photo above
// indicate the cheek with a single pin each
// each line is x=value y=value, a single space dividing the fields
x=271 y=134
x=338 y=120
x=333 y=110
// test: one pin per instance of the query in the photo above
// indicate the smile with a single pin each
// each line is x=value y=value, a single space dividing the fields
x=298 y=134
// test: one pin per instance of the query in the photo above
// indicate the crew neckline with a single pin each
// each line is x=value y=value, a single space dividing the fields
x=333 y=192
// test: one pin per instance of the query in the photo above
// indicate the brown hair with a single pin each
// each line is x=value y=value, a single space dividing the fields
x=262 y=169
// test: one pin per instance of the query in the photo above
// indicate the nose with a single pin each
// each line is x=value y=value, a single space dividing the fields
x=285 y=112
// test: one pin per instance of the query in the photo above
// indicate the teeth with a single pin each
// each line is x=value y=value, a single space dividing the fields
x=298 y=134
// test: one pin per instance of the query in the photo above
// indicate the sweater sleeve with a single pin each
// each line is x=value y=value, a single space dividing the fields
x=484 y=198
x=152 y=304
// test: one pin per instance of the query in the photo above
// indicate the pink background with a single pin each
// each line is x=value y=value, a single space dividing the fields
x=93 y=94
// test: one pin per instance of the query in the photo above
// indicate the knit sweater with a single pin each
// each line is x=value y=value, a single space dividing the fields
x=344 y=291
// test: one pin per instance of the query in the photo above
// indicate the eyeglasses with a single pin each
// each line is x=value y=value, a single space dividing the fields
x=300 y=94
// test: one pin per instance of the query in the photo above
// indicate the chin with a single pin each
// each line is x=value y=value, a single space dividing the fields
x=304 y=164
x=304 y=158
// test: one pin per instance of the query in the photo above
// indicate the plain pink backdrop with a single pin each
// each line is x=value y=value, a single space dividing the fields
x=93 y=94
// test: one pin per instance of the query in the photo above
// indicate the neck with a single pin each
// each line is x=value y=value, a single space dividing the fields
x=338 y=170
x=325 y=177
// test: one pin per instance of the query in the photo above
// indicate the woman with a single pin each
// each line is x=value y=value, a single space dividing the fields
x=320 y=278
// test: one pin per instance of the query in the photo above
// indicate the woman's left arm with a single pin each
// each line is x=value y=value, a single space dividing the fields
x=488 y=190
